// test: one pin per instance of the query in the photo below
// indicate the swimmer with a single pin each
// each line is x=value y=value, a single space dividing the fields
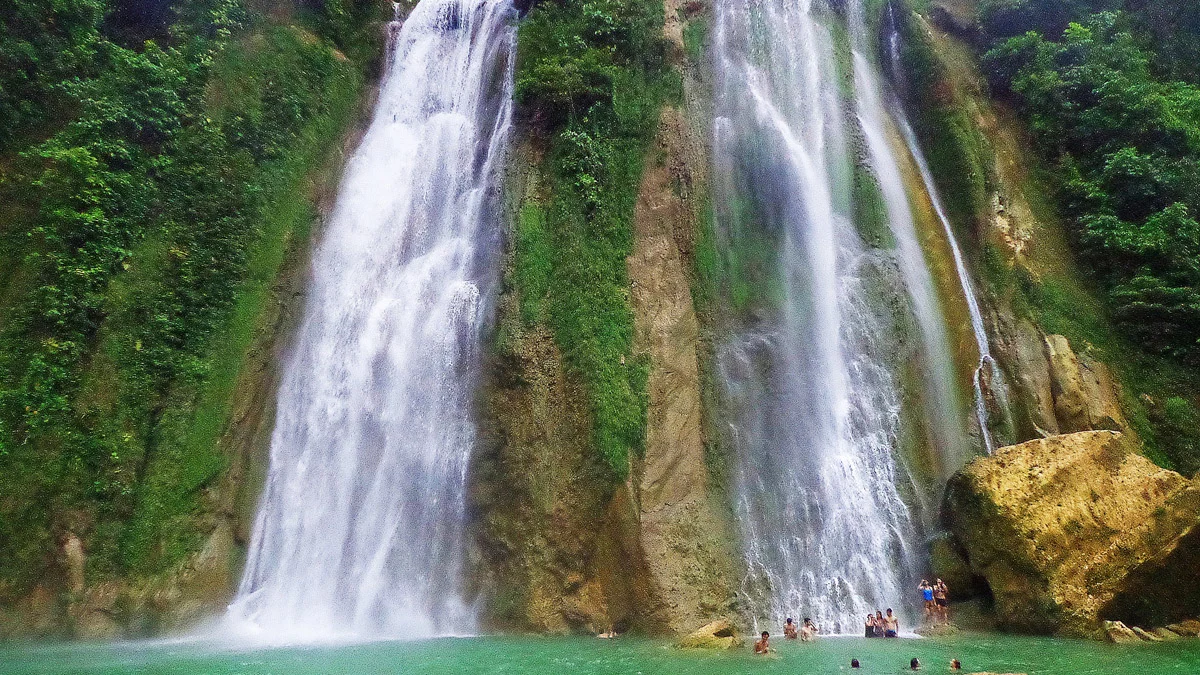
x=761 y=647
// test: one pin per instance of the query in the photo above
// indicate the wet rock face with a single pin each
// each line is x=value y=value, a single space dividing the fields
x=1071 y=530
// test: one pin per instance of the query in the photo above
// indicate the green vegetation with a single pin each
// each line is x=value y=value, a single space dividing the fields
x=1127 y=144
x=592 y=75
x=152 y=199
x=1116 y=109
x=1101 y=97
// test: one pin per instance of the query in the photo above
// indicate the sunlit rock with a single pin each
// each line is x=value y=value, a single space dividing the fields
x=1073 y=529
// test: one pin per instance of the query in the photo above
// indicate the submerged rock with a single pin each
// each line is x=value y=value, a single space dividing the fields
x=1073 y=529
x=720 y=634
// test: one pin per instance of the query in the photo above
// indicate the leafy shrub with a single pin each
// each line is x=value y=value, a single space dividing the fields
x=593 y=74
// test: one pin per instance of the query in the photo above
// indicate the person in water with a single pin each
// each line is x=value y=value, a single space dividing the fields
x=854 y=663
x=789 y=630
x=808 y=631
x=941 y=598
x=914 y=664
x=761 y=647
x=869 y=626
x=891 y=625
x=955 y=665
x=927 y=595
x=880 y=626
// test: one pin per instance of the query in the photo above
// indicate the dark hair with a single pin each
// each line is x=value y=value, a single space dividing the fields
x=766 y=634
x=889 y=609
x=789 y=619
x=955 y=664
x=806 y=619
x=853 y=663
x=914 y=664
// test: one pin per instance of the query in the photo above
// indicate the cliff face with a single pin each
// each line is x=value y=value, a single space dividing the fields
x=1044 y=319
x=1071 y=530
x=563 y=547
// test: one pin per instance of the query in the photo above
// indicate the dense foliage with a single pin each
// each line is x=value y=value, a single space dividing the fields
x=591 y=75
x=1108 y=89
x=143 y=190
x=1127 y=140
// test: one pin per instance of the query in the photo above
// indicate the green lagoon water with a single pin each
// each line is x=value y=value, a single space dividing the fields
x=560 y=656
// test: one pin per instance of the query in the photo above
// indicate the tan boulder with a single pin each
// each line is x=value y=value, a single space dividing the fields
x=1085 y=394
x=720 y=634
x=1073 y=529
x=1146 y=635
x=1166 y=635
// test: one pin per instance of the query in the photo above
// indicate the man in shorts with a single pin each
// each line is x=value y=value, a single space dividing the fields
x=941 y=598
x=891 y=625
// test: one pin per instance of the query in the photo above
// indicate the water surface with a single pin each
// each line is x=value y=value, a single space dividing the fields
x=558 y=656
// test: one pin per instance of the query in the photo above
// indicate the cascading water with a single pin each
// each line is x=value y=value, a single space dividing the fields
x=942 y=402
x=814 y=404
x=995 y=380
x=359 y=532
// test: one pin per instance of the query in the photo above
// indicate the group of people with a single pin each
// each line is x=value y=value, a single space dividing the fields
x=880 y=626
x=914 y=664
x=937 y=599
x=807 y=631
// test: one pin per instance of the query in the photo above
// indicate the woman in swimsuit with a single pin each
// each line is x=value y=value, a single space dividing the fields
x=869 y=626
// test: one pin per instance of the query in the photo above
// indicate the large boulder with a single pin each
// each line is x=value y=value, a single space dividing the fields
x=720 y=634
x=1071 y=530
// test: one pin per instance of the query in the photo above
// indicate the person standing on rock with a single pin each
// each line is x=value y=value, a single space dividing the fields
x=761 y=647
x=941 y=598
x=927 y=593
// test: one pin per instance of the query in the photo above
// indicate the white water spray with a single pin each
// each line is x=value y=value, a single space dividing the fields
x=359 y=533
x=942 y=405
x=995 y=383
x=815 y=409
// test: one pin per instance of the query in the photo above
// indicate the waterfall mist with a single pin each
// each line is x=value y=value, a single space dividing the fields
x=359 y=532
x=815 y=409
x=814 y=375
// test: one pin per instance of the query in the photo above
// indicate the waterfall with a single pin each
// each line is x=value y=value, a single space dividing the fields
x=995 y=382
x=808 y=383
x=941 y=405
x=359 y=532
